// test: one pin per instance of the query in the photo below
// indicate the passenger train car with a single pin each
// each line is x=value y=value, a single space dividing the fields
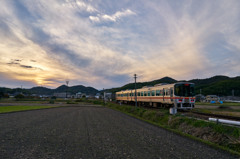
x=179 y=95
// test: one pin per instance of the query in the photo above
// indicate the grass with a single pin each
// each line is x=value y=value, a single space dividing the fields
x=7 y=109
x=219 y=111
x=217 y=135
x=218 y=104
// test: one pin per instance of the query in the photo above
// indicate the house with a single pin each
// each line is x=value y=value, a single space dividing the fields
x=107 y=96
x=62 y=95
x=210 y=98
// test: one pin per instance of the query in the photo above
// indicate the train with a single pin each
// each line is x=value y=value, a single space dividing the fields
x=177 y=95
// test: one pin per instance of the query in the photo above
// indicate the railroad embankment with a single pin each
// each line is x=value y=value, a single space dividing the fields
x=217 y=135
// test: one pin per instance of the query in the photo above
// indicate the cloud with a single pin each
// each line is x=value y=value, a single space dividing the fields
x=62 y=47
x=94 y=19
x=113 y=18
x=92 y=43
x=81 y=5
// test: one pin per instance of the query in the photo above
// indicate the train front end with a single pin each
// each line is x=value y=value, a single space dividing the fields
x=184 y=95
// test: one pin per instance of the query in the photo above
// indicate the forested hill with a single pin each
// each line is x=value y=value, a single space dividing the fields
x=217 y=85
x=47 y=91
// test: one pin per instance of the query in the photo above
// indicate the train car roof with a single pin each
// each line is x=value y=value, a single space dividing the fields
x=156 y=85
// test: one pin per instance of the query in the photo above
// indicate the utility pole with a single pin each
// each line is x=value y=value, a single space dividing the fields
x=67 y=88
x=135 y=77
x=103 y=97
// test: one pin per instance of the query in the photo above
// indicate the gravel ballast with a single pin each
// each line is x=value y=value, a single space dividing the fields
x=92 y=132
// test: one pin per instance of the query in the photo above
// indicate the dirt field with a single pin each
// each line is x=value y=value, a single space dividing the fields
x=92 y=132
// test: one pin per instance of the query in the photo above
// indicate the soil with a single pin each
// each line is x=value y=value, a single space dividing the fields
x=92 y=132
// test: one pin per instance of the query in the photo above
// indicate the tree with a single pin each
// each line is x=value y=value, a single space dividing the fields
x=19 y=96
x=1 y=95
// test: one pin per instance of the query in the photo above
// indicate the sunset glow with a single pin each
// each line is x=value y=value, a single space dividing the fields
x=103 y=43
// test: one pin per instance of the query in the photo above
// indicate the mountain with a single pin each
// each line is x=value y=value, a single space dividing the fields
x=40 y=90
x=48 y=91
x=211 y=80
x=76 y=89
x=218 y=85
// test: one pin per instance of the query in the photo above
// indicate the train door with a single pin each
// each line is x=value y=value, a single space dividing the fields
x=131 y=94
x=163 y=94
x=171 y=94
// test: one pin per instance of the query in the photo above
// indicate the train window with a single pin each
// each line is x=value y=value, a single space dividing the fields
x=161 y=92
x=138 y=93
x=145 y=93
x=149 y=93
x=184 y=90
x=141 y=93
x=157 y=92
x=153 y=93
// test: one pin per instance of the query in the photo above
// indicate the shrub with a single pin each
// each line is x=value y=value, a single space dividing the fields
x=51 y=102
x=19 y=96
x=53 y=97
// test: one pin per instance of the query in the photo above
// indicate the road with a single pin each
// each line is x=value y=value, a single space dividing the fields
x=92 y=132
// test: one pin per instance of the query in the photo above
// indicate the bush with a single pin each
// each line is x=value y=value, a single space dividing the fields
x=51 y=102
x=149 y=115
x=53 y=97
x=19 y=96
x=71 y=102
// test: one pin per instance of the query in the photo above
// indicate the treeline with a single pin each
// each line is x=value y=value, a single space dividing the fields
x=217 y=85
x=47 y=91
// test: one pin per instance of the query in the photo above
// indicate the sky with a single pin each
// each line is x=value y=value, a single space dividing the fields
x=103 y=43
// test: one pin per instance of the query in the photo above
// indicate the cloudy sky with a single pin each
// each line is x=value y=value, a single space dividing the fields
x=102 y=43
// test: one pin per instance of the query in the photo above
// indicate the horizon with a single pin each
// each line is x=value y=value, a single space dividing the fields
x=117 y=86
x=103 y=45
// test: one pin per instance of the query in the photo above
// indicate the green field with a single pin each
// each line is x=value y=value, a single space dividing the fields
x=7 y=109
x=218 y=104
